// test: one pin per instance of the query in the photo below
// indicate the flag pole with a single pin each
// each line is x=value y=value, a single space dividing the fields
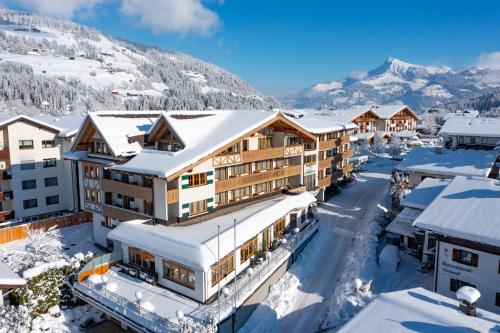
x=235 y=272
x=218 y=271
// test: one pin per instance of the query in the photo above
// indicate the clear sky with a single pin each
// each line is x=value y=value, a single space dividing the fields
x=281 y=46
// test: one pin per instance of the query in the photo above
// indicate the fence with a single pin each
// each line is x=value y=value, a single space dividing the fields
x=100 y=265
x=10 y=234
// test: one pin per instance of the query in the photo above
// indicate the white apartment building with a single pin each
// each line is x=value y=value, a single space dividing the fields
x=36 y=183
x=465 y=220
x=471 y=133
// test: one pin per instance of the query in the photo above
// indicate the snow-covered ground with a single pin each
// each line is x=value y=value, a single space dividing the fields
x=316 y=293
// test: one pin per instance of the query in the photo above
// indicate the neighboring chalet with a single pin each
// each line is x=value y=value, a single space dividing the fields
x=420 y=310
x=465 y=220
x=333 y=134
x=35 y=182
x=471 y=133
x=397 y=121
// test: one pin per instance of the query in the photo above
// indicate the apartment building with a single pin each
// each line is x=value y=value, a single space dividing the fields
x=465 y=220
x=471 y=133
x=35 y=182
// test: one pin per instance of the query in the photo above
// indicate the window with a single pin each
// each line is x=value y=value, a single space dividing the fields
x=465 y=257
x=107 y=222
x=221 y=173
x=98 y=147
x=266 y=142
x=221 y=199
x=178 y=273
x=240 y=193
x=263 y=187
x=263 y=165
x=456 y=284
x=240 y=169
x=309 y=159
x=472 y=140
x=197 y=179
x=310 y=182
x=148 y=207
x=28 y=165
x=223 y=268
x=52 y=200
x=29 y=184
x=91 y=171
x=49 y=162
x=30 y=203
x=280 y=183
x=279 y=228
x=48 y=143
x=248 y=249
x=293 y=141
x=309 y=146
x=25 y=144
x=92 y=196
x=197 y=207
x=50 y=181
x=141 y=258
x=497 y=299
x=282 y=162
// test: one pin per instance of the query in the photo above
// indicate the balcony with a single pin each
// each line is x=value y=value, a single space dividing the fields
x=172 y=196
x=293 y=150
x=345 y=139
x=123 y=214
x=326 y=163
x=347 y=168
x=223 y=160
x=7 y=195
x=347 y=154
x=328 y=144
x=262 y=154
x=325 y=182
x=6 y=215
x=131 y=190
x=256 y=178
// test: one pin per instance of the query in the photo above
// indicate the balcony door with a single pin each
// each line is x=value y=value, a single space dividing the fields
x=142 y=259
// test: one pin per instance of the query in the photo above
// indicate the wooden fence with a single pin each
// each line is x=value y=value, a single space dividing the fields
x=18 y=232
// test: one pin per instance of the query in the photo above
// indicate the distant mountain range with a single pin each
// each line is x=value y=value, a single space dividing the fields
x=56 y=66
x=396 y=81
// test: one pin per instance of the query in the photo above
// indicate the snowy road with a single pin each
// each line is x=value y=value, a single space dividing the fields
x=315 y=275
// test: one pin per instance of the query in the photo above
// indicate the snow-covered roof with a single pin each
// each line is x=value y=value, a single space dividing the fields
x=404 y=134
x=462 y=114
x=116 y=126
x=448 y=163
x=9 y=120
x=9 y=279
x=387 y=111
x=422 y=195
x=365 y=135
x=201 y=136
x=468 y=208
x=484 y=127
x=404 y=222
x=321 y=121
x=68 y=125
x=196 y=245
x=418 y=310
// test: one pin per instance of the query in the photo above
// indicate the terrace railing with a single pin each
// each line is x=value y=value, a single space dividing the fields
x=100 y=265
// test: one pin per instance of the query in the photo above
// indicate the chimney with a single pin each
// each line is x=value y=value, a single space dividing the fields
x=467 y=298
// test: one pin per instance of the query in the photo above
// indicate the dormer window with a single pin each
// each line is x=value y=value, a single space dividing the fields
x=98 y=147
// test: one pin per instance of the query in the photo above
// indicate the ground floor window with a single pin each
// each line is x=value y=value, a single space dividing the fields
x=279 y=228
x=178 y=273
x=456 y=284
x=465 y=257
x=280 y=183
x=223 y=268
x=240 y=193
x=263 y=187
x=248 y=249
x=92 y=195
x=141 y=258
x=197 y=207
x=221 y=199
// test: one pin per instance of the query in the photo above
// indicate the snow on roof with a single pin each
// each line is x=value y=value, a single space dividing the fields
x=449 y=162
x=9 y=120
x=321 y=121
x=365 y=135
x=196 y=245
x=468 y=294
x=386 y=111
x=404 y=222
x=68 y=125
x=418 y=310
x=468 y=208
x=8 y=278
x=422 y=195
x=201 y=136
x=462 y=114
x=404 y=134
x=484 y=127
x=115 y=126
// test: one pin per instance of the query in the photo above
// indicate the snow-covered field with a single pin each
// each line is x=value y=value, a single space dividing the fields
x=316 y=293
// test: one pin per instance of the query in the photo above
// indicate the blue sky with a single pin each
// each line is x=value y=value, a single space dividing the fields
x=280 y=46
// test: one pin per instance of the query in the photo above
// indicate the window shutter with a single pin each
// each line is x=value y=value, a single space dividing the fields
x=210 y=177
x=185 y=181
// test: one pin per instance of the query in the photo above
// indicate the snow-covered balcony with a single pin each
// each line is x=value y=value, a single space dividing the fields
x=157 y=308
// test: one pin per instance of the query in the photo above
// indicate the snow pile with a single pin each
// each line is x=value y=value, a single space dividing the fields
x=67 y=321
x=40 y=268
x=468 y=294
x=282 y=295
x=389 y=258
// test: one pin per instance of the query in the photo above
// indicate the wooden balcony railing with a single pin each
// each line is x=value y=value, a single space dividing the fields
x=256 y=178
x=345 y=139
x=131 y=190
x=326 y=163
x=172 y=196
x=262 y=154
x=347 y=168
x=226 y=160
x=347 y=154
x=328 y=144
x=325 y=182
x=122 y=214
x=293 y=150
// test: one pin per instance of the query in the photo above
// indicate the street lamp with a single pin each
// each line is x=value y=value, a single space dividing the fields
x=180 y=316
x=225 y=291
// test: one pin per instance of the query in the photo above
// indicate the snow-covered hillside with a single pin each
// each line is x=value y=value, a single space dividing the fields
x=396 y=81
x=59 y=66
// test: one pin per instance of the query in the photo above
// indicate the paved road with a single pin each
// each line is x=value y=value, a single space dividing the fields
x=341 y=219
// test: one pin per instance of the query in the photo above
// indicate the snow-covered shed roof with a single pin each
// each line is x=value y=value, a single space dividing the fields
x=468 y=208
x=448 y=162
x=196 y=245
x=201 y=137
x=404 y=222
x=418 y=310
x=9 y=279
x=422 y=195
x=484 y=127
x=321 y=121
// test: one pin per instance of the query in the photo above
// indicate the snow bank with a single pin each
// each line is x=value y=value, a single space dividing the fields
x=389 y=258
x=39 y=269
